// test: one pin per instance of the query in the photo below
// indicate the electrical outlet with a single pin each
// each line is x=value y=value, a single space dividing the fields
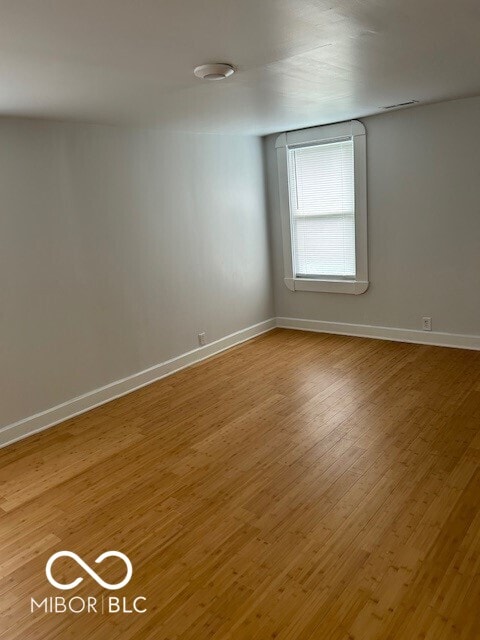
x=202 y=339
x=427 y=324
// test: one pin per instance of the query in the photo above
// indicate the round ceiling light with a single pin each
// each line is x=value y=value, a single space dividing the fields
x=215 y=71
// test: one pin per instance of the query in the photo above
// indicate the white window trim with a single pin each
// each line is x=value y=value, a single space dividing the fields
x=356 y=131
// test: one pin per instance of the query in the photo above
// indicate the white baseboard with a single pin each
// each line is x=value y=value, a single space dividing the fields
x=40 y=421
x=435 y=338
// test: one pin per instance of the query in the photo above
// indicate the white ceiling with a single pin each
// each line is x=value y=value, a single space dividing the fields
x=299 y=62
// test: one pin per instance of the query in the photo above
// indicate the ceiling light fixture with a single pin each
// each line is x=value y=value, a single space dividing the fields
x=215 y=71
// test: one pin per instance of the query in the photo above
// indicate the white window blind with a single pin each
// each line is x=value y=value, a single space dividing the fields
x=322 y=205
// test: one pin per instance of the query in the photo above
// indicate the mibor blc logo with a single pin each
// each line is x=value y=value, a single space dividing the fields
x=89 y=570
x=89 y=604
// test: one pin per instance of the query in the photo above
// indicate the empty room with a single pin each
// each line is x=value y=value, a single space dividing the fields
x=239 y=320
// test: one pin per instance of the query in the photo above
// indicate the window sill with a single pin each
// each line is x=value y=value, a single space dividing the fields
x=355 y=287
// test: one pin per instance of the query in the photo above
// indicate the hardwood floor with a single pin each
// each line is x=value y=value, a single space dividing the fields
x=298 y=486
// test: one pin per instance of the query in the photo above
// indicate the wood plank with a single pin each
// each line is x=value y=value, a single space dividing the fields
x=297 y=486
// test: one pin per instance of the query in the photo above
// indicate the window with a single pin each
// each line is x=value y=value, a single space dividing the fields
x=322 y=176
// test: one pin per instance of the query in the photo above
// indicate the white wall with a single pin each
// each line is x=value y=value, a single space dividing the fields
x=424 y=224
x=117 y=247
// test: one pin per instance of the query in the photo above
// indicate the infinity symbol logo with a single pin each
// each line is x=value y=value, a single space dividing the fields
x=89 y=570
